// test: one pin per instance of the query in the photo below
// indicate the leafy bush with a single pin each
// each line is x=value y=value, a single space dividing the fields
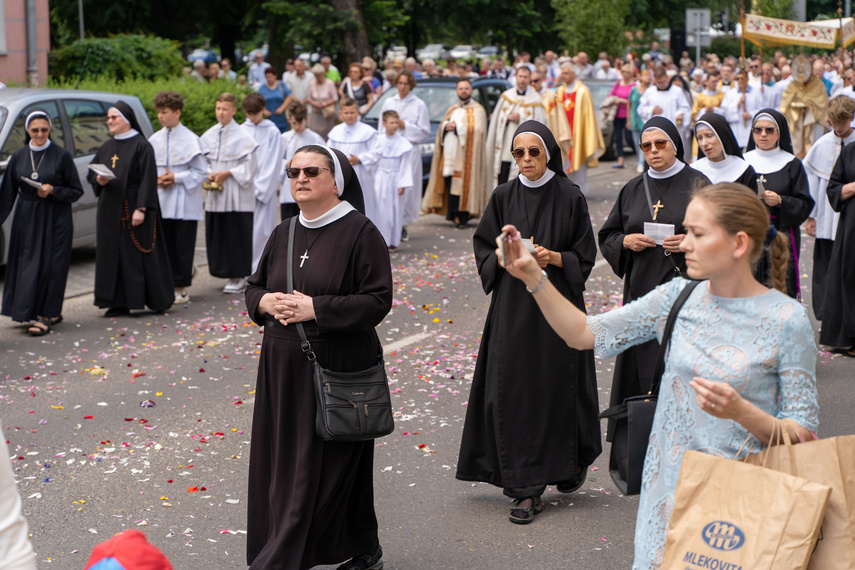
x=199 y=98
x=120 y=57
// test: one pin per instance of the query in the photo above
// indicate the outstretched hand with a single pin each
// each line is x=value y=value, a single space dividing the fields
x=520 y=262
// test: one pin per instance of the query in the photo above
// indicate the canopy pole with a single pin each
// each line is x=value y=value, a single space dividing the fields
x=742 y=36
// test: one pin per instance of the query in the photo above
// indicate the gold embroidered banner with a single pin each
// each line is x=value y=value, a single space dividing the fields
x=774 y=32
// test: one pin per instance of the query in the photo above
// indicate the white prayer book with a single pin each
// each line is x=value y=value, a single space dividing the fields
x=33 y=183
x=102 y=170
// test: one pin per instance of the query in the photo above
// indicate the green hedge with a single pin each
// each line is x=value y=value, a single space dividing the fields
x=120 y=57
x=199 y=98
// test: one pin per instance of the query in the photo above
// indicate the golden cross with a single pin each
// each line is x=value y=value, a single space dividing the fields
x=532 y=242
x=116 y=157
x=656 y=207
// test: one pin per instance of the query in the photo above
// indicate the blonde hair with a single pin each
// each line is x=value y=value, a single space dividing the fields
x=735 y=208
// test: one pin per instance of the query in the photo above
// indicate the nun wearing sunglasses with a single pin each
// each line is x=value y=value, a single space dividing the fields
x=653 y=202
x=42 y=179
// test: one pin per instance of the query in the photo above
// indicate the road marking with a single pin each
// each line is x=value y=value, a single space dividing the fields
x=406 y=341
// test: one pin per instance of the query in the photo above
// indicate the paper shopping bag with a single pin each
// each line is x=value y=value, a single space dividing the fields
x=733 y=516
x=830 y=462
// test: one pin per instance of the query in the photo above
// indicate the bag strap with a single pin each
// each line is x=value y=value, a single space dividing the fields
x=305 y=345
x=650 y=208
x=666 y=335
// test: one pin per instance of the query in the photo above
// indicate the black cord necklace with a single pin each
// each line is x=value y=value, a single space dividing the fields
x=532 y=226
x=305 y=256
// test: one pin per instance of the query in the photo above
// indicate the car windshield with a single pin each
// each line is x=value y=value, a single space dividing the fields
x=3 y=114
x=438 y=99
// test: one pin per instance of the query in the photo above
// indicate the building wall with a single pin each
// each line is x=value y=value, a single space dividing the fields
x=13 y=52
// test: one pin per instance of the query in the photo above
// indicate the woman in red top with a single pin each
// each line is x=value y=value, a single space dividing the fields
x=621 y=133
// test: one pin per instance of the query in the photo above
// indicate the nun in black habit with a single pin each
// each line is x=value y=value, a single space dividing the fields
x=532 y=413
x=719 y=155
x=637 y=258
x=131 y=264
x=42 y=229
x=783 y=185
x=311 y=502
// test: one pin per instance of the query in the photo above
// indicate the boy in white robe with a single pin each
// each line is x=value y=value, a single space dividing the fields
x=392 y=178
x=823 y=220
x=229 y=196
x=181 y=170
x=266 y=181
x=356 y=140
x=298 y=137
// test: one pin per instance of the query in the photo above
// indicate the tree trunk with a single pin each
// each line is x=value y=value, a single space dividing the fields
x=355 y=38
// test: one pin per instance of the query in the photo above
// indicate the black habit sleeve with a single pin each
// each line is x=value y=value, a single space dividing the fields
x=797 y=205
x=8 y=190
x=147 y=193
x=839 y=178
x=97 y=159
x=257 y=282
x=612 y=232
x=371 y=300
x=484 y=241
x=579 y=261
x=70 y=190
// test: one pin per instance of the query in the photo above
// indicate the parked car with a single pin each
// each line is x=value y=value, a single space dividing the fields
x=488 y=51
x=439 y=94
x=396 y=52
x=435 y=52
x=209 y=56
x=462 y=52
x=79 y=124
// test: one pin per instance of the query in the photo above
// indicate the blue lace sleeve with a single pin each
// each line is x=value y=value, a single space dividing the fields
x=635 y=323
x=797 y=372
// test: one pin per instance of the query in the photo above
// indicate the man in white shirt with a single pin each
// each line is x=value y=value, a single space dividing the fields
x=298 y=81
x=606 y=71
x=255 y=76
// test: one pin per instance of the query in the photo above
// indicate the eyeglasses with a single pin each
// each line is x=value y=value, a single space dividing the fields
x=768 y=130
x=533 y=152
x=112 y=117
x=660 y=144
x=36 y=130
x=310 y=171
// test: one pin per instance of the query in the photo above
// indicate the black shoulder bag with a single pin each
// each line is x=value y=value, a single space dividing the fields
x=634 y=417
x=350 y=406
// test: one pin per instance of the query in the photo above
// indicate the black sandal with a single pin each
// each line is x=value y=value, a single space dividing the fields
x=524 y=515
x=36 y=330
x=365 y=561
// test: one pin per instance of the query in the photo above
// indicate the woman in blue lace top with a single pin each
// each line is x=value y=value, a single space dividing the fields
x=740 y=353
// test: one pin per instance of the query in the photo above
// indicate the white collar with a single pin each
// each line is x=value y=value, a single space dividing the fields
x=727 y=170
x=335 y=213
x=547 y=176
x=38 y=148
x=678 y=166
x=767 y=161
x=126 y=135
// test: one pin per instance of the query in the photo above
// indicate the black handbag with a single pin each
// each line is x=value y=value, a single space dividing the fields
x=633 y=419
x=350 y=406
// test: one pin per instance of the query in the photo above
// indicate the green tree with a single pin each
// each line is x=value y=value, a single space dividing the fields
x=773 y=8
x=592 y=26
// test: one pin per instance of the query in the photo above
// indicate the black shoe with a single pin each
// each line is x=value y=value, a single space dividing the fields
x=365 y=562
x=117 y=312
x=520 y=515
x=573 y=485
x=404 y=235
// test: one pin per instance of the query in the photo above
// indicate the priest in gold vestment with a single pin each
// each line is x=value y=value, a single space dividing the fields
x=805 y=105
x=458 y=185
x=571 y=117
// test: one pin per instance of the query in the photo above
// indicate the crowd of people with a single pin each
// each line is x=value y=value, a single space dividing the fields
x=733 y=161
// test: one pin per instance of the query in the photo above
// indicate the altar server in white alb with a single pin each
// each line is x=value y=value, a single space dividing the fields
x=516 y=105
x=266 y=181
x=414 y=124
x=356 y=140
x=229 y=196
x=297 y=137
x=740 y=104
x=667 y=100
x=393 y=178
x=823 y=220
x=181 y=170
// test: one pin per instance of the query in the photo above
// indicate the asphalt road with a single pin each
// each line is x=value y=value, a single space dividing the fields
x=92 y=461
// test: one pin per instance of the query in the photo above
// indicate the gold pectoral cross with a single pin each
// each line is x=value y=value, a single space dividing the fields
x=656 y=207
x=534 y=244
x=114 y=159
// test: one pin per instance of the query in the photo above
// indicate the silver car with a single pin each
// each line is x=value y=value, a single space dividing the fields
x=79 y=121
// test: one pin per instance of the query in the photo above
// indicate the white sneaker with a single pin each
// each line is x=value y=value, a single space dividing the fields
x=181 y=296
x=639 y=168
x=235 y=286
